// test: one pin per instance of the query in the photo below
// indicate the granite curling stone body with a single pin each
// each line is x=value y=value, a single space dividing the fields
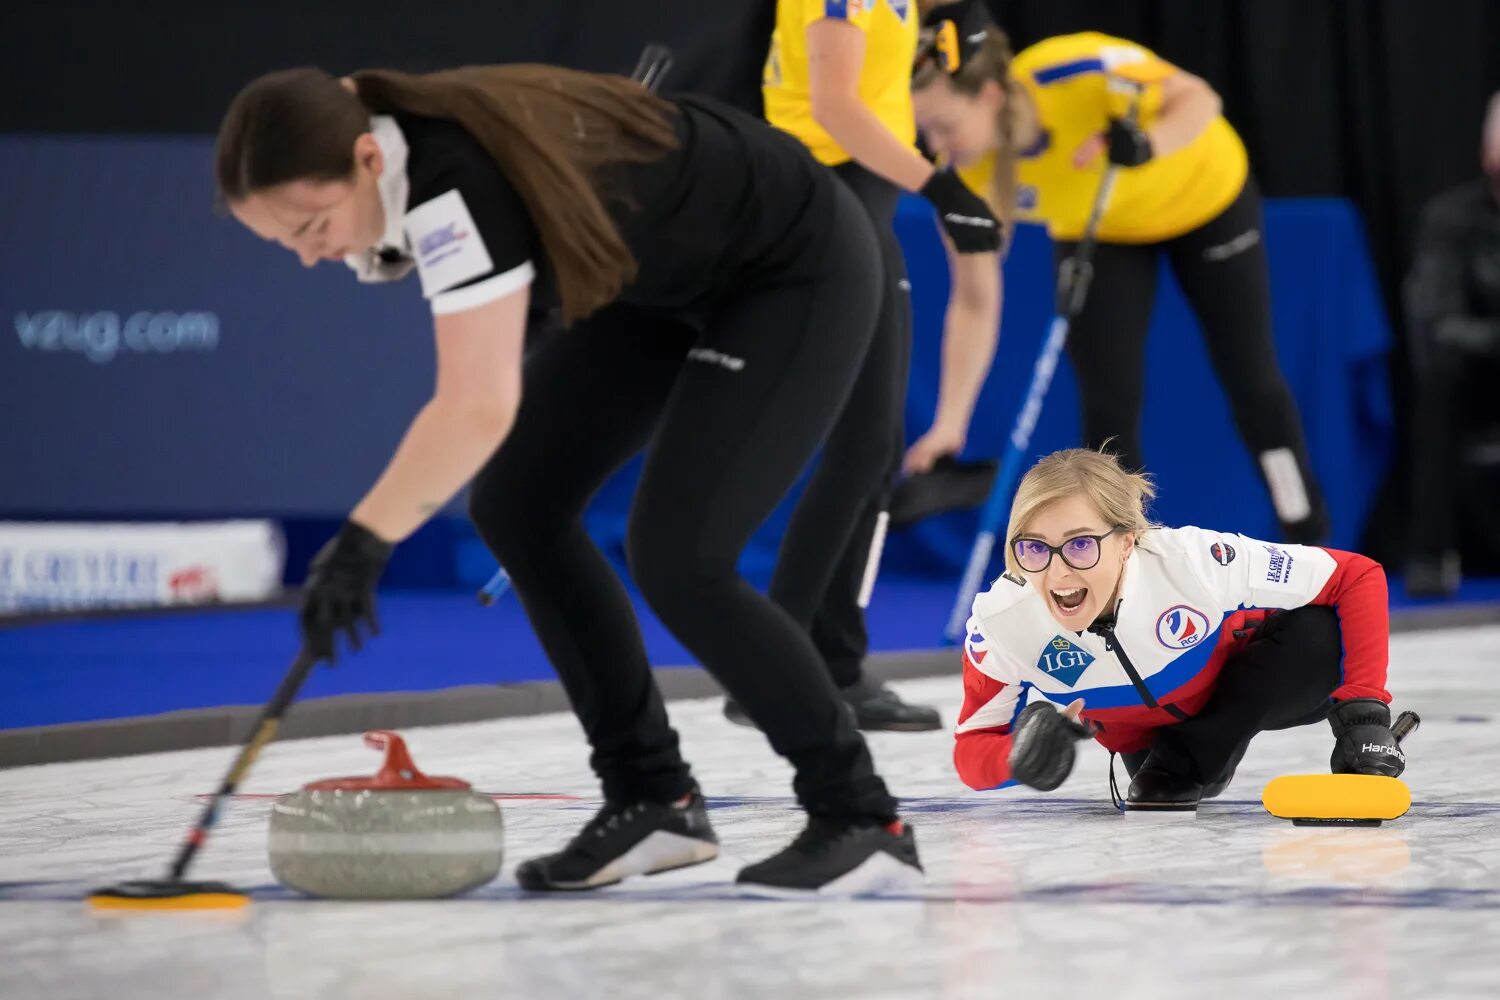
x=397 y=835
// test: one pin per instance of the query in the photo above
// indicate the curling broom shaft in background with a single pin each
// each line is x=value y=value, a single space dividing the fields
x=1406 y=724
x=655 y=63
x=1072 y=290
x=496 y=588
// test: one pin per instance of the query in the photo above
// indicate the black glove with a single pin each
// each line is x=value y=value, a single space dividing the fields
x=340 y=590
x=964 y=216
x=1365 y=744
x=1042 y=752
x=1129 y=145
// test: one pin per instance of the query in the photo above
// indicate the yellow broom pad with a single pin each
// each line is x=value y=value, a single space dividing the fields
x=1336 y=798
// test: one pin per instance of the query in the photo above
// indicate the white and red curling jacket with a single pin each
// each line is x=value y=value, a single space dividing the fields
x=1189 y=600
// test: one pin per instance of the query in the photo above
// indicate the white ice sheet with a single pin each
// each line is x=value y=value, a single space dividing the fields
x=1029 y=895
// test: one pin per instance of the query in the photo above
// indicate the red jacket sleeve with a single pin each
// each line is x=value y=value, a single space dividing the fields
x=1357 y=591
x=981 y=755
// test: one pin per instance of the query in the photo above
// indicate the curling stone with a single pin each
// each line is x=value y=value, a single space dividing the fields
x=396 y=835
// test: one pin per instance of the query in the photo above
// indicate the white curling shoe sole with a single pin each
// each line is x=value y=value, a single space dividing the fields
x=877 y=875
x=1160 y=814
x=661 y=851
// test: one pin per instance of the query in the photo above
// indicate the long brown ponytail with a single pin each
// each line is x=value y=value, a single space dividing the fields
x=549 y=130
x=989 y=60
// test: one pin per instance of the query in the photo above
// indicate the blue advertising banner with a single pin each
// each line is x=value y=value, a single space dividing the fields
x=157 y=358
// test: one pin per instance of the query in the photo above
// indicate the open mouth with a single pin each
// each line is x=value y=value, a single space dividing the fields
x=1070 y=601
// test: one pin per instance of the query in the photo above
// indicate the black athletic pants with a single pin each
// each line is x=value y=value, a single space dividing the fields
x=824 y=554
x=1280 y=680
x=729 y=419
x=1222 y=269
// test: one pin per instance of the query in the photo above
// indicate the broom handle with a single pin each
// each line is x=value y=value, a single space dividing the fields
x=263 y=733
x=1406 y=724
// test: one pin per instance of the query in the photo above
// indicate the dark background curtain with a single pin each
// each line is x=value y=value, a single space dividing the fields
x=172 y=66
x=1379 y=101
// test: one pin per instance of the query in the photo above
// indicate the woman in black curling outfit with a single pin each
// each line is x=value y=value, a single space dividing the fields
x=838 y=77
x=719 y=292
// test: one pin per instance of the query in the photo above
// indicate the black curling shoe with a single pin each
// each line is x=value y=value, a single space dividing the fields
x=839 y=858
x=623 y=839
x=1159 y=789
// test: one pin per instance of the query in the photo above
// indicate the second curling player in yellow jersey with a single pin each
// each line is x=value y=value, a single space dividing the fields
x=1035 y=132
x=839 y=79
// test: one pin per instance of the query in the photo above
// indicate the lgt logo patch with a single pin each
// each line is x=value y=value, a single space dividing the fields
x=1064 y=661
x=1223 y=553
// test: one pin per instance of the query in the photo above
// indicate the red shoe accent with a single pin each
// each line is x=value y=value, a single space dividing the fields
x=896 y=829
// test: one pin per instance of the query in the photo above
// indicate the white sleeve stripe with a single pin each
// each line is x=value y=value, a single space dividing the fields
x=1115 y=56
x=484 y=292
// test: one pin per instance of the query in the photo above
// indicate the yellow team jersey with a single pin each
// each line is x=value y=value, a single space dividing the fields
x=1078 y=82
x=890 y=28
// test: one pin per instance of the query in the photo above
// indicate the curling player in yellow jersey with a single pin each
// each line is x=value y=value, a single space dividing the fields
x=839 y=79
x=1035 y=133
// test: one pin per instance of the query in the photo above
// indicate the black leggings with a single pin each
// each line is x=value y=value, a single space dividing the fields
x=1280 y=680
x=826 y=550
x=729 y=417
x=1222 y=269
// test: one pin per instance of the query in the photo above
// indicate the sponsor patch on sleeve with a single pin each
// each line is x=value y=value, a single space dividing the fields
x=1278 y=564
x=446 y=243
x=1222 y=552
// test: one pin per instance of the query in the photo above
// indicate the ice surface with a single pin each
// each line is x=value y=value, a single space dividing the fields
x=1030 y=894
